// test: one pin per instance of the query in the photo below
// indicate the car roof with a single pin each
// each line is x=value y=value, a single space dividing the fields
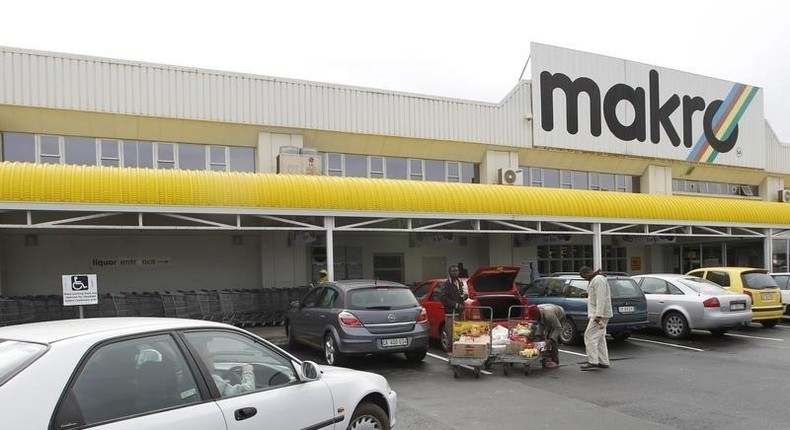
x=54 y=331
x=664 y=275
x=731 y=269
x=356 y=284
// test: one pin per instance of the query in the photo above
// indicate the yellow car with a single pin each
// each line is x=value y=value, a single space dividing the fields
x=767 y=306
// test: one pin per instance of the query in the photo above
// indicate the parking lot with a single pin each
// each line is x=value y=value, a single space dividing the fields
x=737 y=381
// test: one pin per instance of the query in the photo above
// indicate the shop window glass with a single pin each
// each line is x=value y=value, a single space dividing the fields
x=580 y=181
x=217 y=158
x=49 y=149
x=109 y=152
x=19 y=147
x=165 y=155
x=453 y=171
x=606 y=181
x=415 y=170
x=468 y=175
x=551 y=178
x=376 y=167
x=334 y=164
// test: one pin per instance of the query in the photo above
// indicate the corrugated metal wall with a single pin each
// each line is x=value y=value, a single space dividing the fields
x=60 y=81
x=778 y=153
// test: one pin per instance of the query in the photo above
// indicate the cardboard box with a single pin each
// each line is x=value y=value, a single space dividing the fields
x=471 y=347
x=515 y=347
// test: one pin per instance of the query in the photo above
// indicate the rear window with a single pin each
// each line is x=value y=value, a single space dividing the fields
x=15 y=356
x=703 y=286
x=624 y=288
x=758 y=280
x=382 y=298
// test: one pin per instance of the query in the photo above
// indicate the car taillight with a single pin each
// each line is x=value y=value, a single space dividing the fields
x=423 y=318
x=712 y=302
x=348 y=319
x=748 y=293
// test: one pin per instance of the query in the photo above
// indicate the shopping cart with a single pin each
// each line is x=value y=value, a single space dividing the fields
x=526 y=346
x=471 y=342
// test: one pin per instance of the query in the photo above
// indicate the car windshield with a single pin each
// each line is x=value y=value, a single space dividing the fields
x=623 y=288
x=382 y=298
x=758 y=280
x=703 y=286
x=15 y=356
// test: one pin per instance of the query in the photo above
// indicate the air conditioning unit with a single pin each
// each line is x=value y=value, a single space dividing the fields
x=511 y=176
x=784 y=196
x=299 y=164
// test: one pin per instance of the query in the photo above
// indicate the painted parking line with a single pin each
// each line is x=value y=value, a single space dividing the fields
x=639 y=339
x=748 y=336
x=572 y=352
x=484 y=372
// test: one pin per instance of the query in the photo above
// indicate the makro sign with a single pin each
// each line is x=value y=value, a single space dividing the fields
x=595 y=103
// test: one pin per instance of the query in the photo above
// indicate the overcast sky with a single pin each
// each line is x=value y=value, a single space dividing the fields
x=461 y=49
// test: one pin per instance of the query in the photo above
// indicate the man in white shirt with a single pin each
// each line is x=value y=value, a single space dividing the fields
x=599 y=311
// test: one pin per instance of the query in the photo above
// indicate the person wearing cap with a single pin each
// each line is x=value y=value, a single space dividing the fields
x=323 y=276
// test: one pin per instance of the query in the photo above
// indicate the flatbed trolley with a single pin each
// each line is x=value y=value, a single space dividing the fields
x=508 y=360
x=475 y=364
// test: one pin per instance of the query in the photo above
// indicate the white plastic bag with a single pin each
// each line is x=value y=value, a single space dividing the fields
x=499 y=335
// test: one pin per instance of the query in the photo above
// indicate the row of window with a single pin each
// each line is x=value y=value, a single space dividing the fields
x=571 y=258
x=42 y=148
x=705 y=187
x=415 y=169
x=579 y=180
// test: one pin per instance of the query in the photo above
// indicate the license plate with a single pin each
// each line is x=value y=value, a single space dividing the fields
x=767 y=296
x=625 y=309
x=737 y=306
x=398 y=341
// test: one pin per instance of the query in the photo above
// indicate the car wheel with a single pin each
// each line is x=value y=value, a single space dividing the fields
x=416 y=356
x=332 y=356
x=369 y=417
x=718 y=331
x=289 y=339
x=444 y=339
x=675 y=325
x=569 y=334
x=769 y=323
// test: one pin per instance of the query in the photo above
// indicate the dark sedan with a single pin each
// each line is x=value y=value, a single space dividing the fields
x=357 y=318
x=570 y=291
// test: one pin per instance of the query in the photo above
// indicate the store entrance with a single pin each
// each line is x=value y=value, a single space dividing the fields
x=742 y=253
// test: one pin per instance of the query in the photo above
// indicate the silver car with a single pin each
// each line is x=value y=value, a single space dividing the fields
x=679 y=303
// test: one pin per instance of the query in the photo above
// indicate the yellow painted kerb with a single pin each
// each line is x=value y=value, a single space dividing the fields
x=46 y=183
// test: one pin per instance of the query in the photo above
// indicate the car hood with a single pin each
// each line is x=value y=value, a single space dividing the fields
x=493 y=280
x=341 y=379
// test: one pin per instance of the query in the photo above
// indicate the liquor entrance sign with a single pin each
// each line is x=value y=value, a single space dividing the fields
x=80 y=290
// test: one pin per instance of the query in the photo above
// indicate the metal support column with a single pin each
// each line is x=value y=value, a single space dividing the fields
x=329 y=225
x=768 y=249
x=597 y=247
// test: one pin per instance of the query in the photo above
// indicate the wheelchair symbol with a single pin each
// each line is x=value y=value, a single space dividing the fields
x=79 y=283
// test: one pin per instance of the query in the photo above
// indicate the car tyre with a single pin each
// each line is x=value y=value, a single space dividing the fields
x=769 y=323
x=369 y=416
x=675 y=325
x=570 y=334
x=415 y=356
x=332 y=355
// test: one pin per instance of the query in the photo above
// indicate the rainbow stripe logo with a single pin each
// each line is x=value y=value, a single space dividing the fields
x=724 y=121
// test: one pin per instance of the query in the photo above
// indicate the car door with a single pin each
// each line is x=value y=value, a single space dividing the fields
x=657 y=294
x=433 y=307
x=277 y=399
x=140 y=383
x=783 y=281
x=575 y=303
x=303 y=319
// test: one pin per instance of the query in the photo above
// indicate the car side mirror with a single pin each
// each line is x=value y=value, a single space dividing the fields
x=310 y=371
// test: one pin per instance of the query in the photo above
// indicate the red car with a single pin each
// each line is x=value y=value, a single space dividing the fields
x=493 y=287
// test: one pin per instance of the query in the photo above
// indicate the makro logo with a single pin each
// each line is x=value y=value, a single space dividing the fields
x=719 y=118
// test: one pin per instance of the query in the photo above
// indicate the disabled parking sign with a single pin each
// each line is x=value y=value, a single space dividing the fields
x=80 y=290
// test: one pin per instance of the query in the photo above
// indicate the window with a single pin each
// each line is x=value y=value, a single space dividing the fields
x=242 y=159
x=453 y=171
x=435 y=171
x=397 y=168
x=138 y=154
x=653 y=286
x=191 y=156
x=109 y=152
x=388 y=267
x=79 y=150
x=19 y=147
x=311 y=299
x=376 y=167
x=328 y=300
x=218 y=158
x=415 y=170
x=225 y=355
x=721 y=278
x=50 y=149
x=165 y=155
x=422 y=290
x=334 y=164
x=126 y=378
x=356 y=166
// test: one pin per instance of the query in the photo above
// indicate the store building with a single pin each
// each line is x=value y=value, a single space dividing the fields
x=159 y=177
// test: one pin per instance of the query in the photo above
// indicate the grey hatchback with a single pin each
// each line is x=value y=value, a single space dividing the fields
x=357 y=318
